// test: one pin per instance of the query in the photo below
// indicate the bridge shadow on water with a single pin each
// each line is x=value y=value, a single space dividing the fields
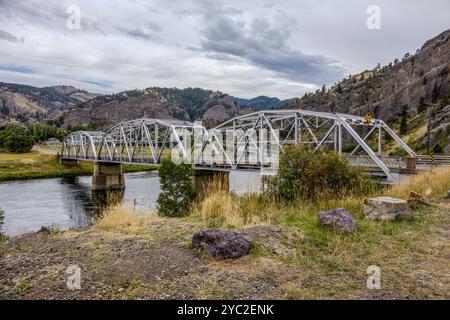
x=83 y=204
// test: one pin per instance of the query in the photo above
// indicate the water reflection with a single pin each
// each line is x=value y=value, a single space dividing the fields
x=69 y=202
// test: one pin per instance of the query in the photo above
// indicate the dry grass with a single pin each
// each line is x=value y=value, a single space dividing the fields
x=220 y=208
x=122 y=218
x=431 y=184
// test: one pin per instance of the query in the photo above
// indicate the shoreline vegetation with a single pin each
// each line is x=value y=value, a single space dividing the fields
x=35 y=165
x=126 y=255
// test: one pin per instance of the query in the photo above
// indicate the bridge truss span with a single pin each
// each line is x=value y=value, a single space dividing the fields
x=244 y=142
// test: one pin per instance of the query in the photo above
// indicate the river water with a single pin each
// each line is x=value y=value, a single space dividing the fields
x=69 y=202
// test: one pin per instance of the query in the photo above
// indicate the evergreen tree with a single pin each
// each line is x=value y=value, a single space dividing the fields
x=404 y=120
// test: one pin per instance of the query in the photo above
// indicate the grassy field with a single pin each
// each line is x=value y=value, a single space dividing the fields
x=34 y=165
x=126 y=255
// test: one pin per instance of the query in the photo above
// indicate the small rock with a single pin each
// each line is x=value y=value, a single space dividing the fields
x=386 y=209
x=222 y=244
x=416 y=199
x=338 y=219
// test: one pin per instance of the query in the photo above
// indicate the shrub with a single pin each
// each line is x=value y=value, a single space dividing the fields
x=177 y=191
x=308 y=175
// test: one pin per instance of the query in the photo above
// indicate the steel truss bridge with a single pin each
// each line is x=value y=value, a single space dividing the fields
x=256 y=140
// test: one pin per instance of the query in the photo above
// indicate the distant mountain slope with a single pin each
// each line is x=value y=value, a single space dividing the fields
x=24 y=104
x=213 y=107
x=404 y=88
x=262 y=102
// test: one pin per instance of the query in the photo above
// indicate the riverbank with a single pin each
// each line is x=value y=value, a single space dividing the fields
x=128 y=256
x=35 y=165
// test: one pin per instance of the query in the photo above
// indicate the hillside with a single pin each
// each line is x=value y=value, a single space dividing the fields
x=190 y=104
x=262 y=102
x=406 y=88
x=26 y=104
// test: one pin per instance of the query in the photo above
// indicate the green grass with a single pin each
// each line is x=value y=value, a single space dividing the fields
x=411 y=254
x=34 y=165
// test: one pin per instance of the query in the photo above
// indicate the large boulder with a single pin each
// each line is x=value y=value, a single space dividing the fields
x=386 y=209
x=338 y=219
x=222 y=244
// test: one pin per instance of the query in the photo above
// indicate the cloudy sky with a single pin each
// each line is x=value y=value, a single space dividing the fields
x=280 y=48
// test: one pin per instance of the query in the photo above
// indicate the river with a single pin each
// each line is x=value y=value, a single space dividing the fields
x=69 y=202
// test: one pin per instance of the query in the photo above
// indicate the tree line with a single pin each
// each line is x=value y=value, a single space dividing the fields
x=15 y=138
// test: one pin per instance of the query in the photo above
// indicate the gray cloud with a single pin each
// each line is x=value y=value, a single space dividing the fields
x=8 y=36
x=149 y=31
x=244 y=48
x=266 y=46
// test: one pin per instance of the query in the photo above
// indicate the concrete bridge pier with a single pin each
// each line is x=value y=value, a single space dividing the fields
x=108 y=176
x=202 y=179
x=68 y=162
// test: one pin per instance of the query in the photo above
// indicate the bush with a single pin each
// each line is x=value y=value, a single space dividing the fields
x=16 y=139
x=177 y=191
x=308 y=175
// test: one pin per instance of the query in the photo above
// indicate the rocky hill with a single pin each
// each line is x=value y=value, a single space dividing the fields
x=190 y=104
x=27 y=104
x=405 y=88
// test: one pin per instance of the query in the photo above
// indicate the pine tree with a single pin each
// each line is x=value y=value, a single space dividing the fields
x=404 y=120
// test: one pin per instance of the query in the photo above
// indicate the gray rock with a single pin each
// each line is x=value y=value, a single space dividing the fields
x=222 y=244
x=338 y=219
x=386 y=209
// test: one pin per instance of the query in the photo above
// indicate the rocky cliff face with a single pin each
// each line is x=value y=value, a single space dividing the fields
x=415 y=84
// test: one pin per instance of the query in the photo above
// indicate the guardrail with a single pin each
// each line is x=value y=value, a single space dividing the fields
x=438 y=160
x=422 y=161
